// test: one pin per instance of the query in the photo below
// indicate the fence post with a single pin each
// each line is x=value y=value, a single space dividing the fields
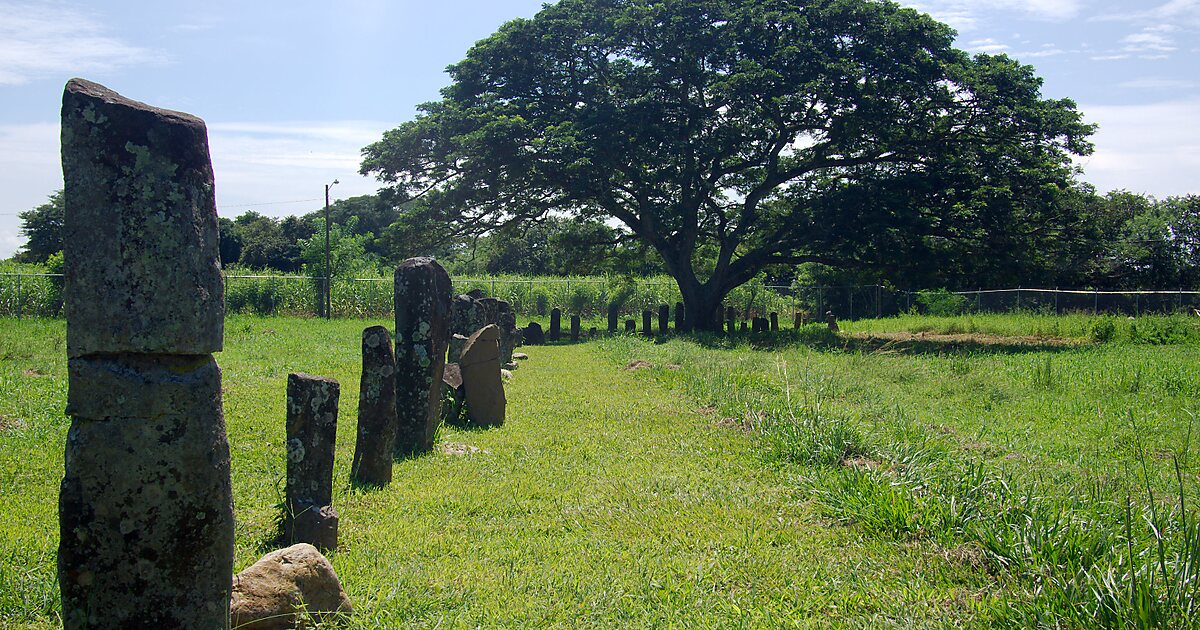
x=878 y=301
x=1018 y=298
x=1095 y=301
x=1056 y=311
x=978 y=299
x=19 y=304
x=851 y=304
x=1137 y=304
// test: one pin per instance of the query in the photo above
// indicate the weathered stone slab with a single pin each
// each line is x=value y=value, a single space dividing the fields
x=664 y=316
x=831 y=321
x=143 y=266
x=510 y=335
x=312 y=406
x=613 y=313
x=272 y=593
x=680 y=319
x=480 y=364
x=376 y=410
x=422 y=335
x=146 y=507
x=630 y=326
x=647 y=316
x=575 y=324
x=774 y=322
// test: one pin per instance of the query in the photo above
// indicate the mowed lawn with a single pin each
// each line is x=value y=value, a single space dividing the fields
x=617 y=497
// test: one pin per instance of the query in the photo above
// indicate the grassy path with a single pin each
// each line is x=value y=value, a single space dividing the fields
x=608 y=500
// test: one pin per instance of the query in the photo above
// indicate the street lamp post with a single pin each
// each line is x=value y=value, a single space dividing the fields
x=328 y=270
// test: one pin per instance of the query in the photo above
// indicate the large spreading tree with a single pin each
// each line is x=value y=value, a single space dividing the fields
x=733 y=135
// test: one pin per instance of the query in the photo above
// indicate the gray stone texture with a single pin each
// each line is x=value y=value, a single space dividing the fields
x=575 y=323
x=647 y=317
x=480 y=364
x=510 y=335
x=774 y=322
x=146 y=507
x=680 y=319
x=422 y=335
x=664 y=317
x=143 y=267
x=376 y=410
x=145 y=504
x=312 y=407
x=613 y=313
x=466 y=316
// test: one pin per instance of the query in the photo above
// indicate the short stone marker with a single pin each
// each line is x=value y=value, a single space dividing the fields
x=613 y=313
x=797 y=319
x=744 y=327
x=534 y=335
x=774 y=322
x=647 y=317
x=555 y=324
x=422 y=335
x=376 y=410
x=272 y=593
x=145 y=506
x=452 y=378
x=831 y=321
x=312 y=407
x=575 y=323
x=664 y=316
x=510 y=335
x=680 y=319
x=630 y=326
x=480 y=364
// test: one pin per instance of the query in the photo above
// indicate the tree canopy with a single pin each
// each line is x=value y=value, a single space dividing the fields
x=43 y=228
x=730 y=136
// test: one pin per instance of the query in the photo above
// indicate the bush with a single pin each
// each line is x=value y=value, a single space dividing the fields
x=941 y=303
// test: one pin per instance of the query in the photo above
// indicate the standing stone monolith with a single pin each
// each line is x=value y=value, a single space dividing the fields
x=664 y=316
x=510 y=335
x=376 y=410
x=774 y=322
x=422 y=297
x=647 y=317
x=797 y=319
x=555 y=324
x=145 y=505
x=831 y=321
x=613 y=313
x=745 y=326
x=575 y=323
x=308 y=514
x=480 y=365
x=680 y=320
x=731 y=318
x=466 y=316
x=630 y=326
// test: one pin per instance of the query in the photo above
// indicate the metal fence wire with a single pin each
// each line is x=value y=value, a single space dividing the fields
x=41 y=295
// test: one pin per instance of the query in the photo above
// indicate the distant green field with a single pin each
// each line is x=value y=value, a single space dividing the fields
x=795 y=480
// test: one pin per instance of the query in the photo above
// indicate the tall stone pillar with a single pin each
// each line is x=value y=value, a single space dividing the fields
x=613 y=312
x=376 y=410
x=681 y=325
x=555 y=324
x=647 y=317
x=664 y=316
x=575 y=324
x=145 y=508
x=422 y=334
x=312 y=409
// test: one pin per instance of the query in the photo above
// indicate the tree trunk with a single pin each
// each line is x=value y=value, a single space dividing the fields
x=700 y=304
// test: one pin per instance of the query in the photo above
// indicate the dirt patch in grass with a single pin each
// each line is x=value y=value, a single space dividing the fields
x=639 y=365
x=10 y=424
x=34 y=373
x=861 y=462
x=453 y=448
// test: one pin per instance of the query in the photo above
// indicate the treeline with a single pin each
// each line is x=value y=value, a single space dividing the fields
x=1121 y=240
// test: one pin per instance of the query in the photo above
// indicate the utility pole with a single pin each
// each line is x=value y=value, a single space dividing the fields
x=328 y=270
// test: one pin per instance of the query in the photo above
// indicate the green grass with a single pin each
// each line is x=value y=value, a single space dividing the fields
x=729 y=485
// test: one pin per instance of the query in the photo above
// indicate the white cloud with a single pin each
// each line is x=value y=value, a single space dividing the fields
x=38 y=40
x=1178 y=12
x=987 y=45
x=1148 y=42
x=29 y=172
x=967 y=15
x=1159 y=83
x=1152 y=149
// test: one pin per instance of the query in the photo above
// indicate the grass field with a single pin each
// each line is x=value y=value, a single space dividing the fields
x=838 y=482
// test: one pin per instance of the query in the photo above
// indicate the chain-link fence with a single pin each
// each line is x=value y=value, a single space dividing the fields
x=40 y=295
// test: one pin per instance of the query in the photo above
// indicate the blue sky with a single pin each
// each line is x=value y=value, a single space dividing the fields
x=291 y=91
